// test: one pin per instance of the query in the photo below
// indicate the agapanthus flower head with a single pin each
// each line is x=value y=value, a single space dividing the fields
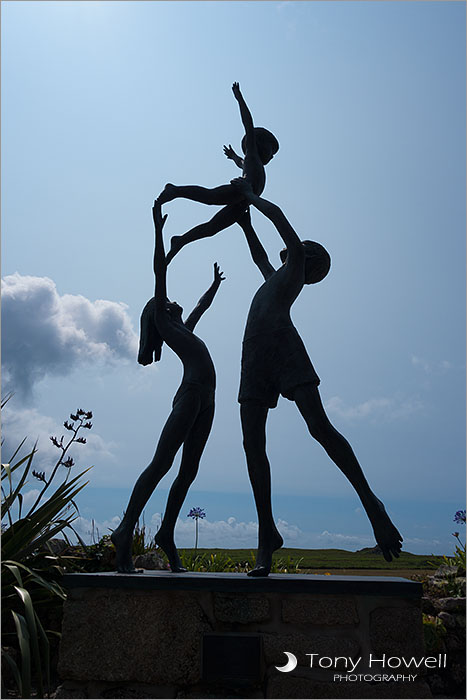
x=196 y=513
x=460 y=516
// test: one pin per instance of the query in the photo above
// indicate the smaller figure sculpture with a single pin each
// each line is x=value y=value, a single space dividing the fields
x=259 y=146
x=190 y=421
x=275 y=362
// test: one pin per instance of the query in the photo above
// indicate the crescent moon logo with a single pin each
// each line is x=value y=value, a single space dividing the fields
x=291 y=663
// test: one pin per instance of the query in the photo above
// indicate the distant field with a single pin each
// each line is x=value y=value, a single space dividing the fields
x=331 y=559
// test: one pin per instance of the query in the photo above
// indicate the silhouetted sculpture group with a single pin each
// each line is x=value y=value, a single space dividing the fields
x=274 y=360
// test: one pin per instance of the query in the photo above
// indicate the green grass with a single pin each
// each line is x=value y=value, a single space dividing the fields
x=331 y=558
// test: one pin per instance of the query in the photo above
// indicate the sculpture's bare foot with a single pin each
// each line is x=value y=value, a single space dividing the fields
x=167 y=544
x=176 y=244
x=264 y=556
x=168 y=193
x=123 y=539
x=386 y=534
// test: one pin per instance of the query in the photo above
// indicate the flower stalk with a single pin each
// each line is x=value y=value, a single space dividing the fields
x=196 y=514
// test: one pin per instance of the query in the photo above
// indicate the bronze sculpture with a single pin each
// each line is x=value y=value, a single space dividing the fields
x=275 y=362
x=190 y=421
x=259 y=146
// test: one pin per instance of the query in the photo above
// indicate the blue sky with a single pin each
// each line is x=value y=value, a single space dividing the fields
x=104 y=102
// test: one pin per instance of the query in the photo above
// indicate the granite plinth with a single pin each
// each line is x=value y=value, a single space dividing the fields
x=195 y=634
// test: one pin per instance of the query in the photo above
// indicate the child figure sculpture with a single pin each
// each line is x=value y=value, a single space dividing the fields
x=190 y=421
x=259 y=146
x=275 y=362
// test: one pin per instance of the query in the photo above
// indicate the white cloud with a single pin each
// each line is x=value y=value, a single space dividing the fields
x=337 y=539
x=376 y=409
x=91 y=531
x=48 y=333
x=29 y=423
x=430 y=366
x=230 y=534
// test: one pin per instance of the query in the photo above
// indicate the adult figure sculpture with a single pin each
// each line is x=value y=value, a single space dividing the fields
x=274 y=362
x=190 y=421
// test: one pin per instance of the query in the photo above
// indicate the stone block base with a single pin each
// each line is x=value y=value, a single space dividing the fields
x=201 y=635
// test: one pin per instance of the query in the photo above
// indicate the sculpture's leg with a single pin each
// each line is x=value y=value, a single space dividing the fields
x=173 y=434
x=253 y=419
x=192 y=450
x=339 y=450
x=220 y=221
x=224 y=194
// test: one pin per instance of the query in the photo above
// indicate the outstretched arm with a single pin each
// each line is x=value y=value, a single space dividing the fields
x=274 y=214
x=245 y=114
x=206 y=300
x=230 y=153
x=160 y=265
x=259 y=255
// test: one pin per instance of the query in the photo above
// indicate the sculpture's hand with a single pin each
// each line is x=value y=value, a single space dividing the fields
x=158 y=219
x=242 y=185
x=236 y=91
x=218 y=274
x=229 y=152
x=245 y=218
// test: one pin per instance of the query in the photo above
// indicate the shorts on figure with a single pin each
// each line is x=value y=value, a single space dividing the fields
x=273 y=364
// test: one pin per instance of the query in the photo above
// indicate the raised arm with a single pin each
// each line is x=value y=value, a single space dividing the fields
x=206 y=300
x=274 y=214
x=230 y=153
x=160 y=265
x=245 y=114
x=259 y=255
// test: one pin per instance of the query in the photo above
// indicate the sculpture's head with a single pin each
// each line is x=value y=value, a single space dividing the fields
x=266 y=143
x=150 y=342
x=175 y=310
x=317 y=261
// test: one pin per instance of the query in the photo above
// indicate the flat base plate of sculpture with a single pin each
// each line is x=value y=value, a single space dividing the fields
x=198 y=580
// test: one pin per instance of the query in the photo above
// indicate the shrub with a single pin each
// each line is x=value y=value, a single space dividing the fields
x=434 y=633
x=30 y=571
